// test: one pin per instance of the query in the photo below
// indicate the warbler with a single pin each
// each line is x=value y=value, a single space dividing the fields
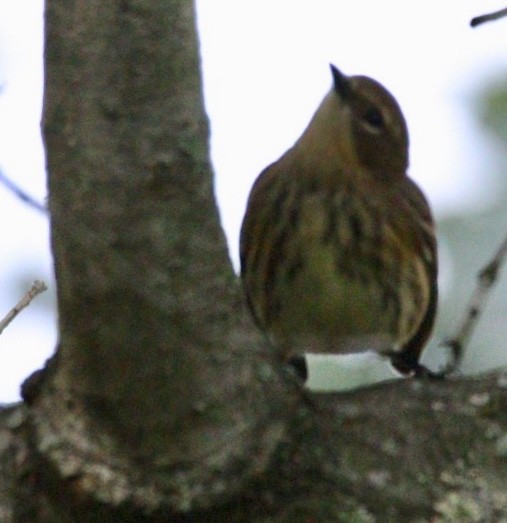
x=338 y=247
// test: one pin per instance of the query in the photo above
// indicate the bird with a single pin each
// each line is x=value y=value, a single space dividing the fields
x=338 y=246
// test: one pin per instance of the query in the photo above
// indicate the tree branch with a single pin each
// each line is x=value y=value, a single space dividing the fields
x=21 y=194
x=490 y=17
x=408 y=451
x=160 y=377
x=486 y=280
x=37 y=288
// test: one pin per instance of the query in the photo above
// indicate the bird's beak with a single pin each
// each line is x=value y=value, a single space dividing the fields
x=341 y=83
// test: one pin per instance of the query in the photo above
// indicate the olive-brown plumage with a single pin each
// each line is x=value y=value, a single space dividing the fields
x=338 y=249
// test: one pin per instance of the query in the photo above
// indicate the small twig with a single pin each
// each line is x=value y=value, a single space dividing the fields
x=485 y=281
x=37 y=288
x=21 y=194
x=490 y=17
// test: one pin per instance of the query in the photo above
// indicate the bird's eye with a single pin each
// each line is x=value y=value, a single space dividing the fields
x=373 y=119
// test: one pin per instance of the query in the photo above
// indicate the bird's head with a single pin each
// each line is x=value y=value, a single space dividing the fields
x=361 y=124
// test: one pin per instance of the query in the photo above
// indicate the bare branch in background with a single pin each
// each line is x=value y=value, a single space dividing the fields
x=21 y=194
x=490 y=17
x=37 y=288
x=486 y=279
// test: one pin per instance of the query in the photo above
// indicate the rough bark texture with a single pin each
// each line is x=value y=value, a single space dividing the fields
x=153 y=331
x=163 y=403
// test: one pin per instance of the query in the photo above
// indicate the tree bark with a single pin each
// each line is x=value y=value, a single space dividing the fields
x=153 y=331
x=163 y=402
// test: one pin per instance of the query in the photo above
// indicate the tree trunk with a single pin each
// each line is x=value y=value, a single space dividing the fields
x=163 y=402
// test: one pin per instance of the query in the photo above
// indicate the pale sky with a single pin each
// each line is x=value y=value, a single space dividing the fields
x=266 y=68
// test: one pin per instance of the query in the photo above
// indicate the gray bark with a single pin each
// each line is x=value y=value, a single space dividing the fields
x=163 y=402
